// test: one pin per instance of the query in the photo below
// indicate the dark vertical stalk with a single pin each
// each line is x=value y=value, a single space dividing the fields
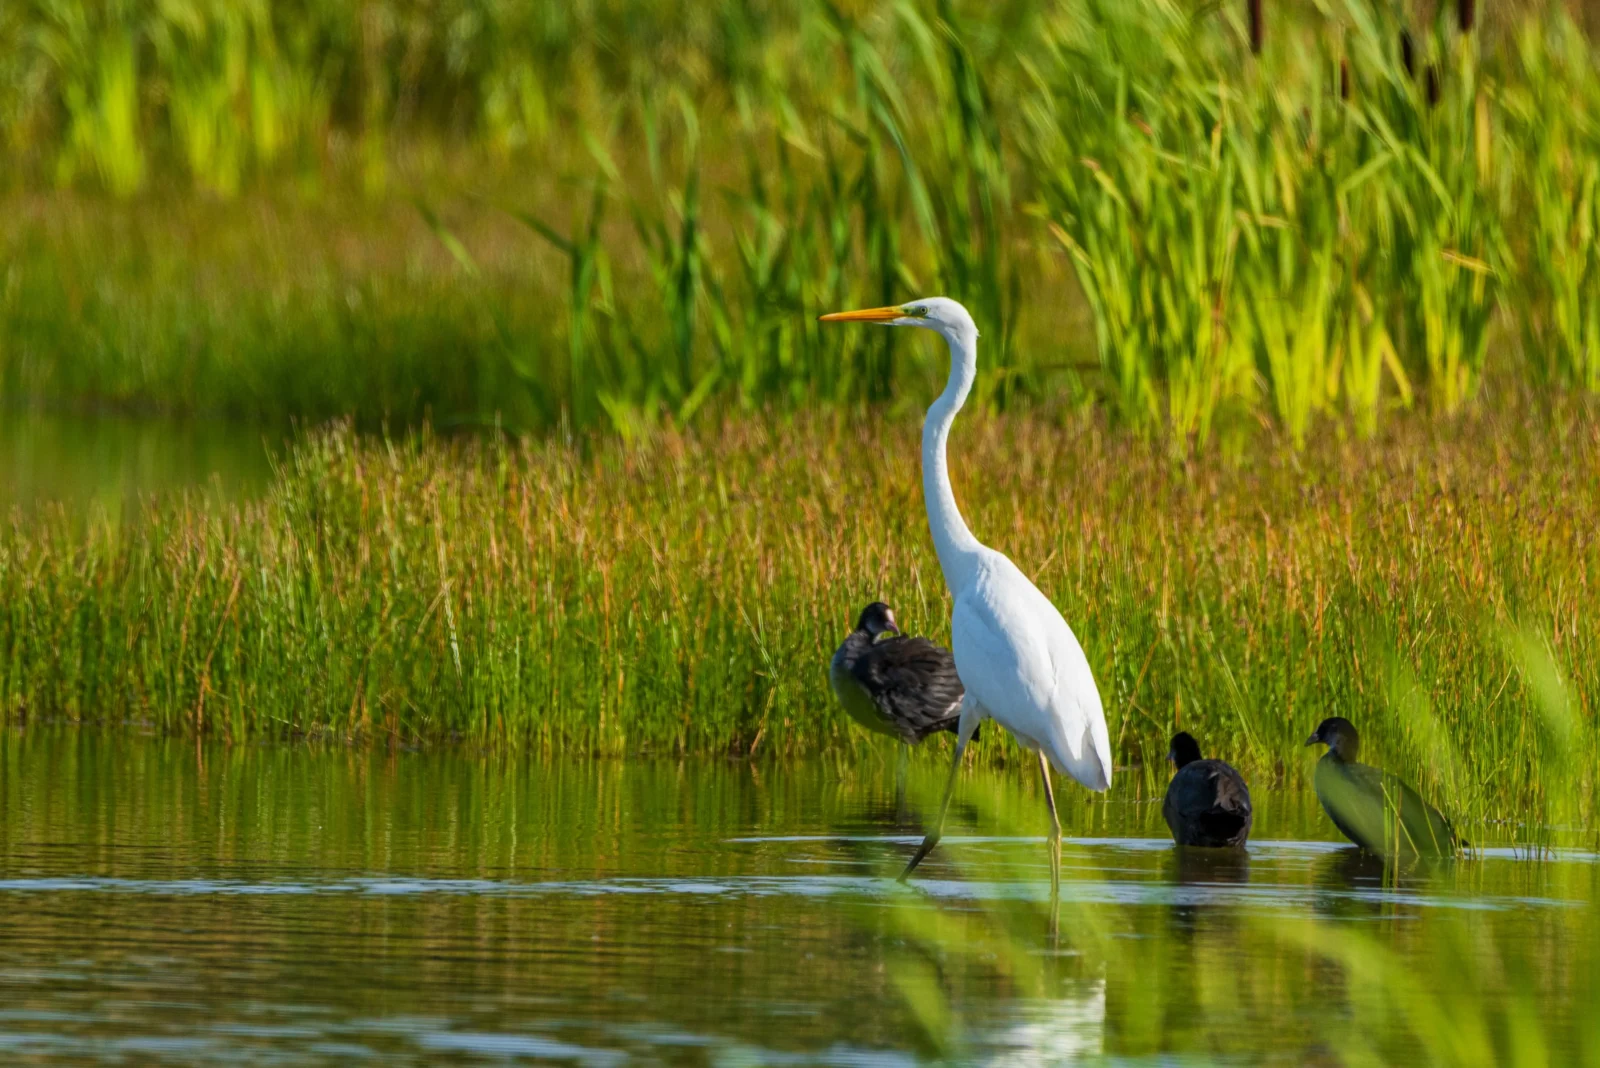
x=1408 y=54
x=1344 y=78
x=1257 y=29
x=1466 y=14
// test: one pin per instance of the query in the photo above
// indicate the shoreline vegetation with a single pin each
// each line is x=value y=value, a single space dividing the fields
x=683 y=596
x=620 y=215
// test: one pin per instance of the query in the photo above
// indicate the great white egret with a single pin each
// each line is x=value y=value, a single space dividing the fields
x=1020 y=663
x=1373 y=808
x=1207 y=802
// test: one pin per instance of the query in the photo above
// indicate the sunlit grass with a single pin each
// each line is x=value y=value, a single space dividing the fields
x=684 y=594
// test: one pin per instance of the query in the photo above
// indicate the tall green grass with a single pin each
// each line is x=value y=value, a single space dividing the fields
x=1293 y=237
x=618 y=213
x=684 y=595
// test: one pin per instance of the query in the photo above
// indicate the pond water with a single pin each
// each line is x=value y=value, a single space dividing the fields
x=105 y=462
x=167 y=902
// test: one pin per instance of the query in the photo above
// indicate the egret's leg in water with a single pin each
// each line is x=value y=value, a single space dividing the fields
x=970 y=717
x=1055 y=831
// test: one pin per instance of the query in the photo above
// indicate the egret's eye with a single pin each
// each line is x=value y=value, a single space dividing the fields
x=915 y=312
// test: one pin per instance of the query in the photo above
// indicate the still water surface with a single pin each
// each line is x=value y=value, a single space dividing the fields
x=101 y=464
x=167 y=903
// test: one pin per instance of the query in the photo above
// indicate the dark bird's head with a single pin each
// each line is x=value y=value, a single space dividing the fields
x=1185 y=750
x=1339 y=735
x=877 y=618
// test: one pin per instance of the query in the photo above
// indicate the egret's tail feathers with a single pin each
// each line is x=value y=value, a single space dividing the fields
x=1098 y=743
x=1091 y=768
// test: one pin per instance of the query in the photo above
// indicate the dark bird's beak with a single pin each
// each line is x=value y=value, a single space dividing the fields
x=1313 y=740
x=1172 y=756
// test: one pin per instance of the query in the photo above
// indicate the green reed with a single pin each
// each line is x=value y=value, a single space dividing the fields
x=684 y=594
x=1550 y=120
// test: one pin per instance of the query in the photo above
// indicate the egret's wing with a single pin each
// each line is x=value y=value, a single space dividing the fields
x=1020 y=660
x=1004 y=668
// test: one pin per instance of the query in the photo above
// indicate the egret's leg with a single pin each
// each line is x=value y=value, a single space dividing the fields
x=1055 y=830
x=900 y=766
x=970 y=717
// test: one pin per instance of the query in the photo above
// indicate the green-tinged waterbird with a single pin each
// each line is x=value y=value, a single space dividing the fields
x=1208 y=803
x=1374 y=809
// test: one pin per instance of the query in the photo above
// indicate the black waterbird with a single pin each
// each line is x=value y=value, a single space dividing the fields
x=904 y=687
x=1374 y=809
x=1208 y=803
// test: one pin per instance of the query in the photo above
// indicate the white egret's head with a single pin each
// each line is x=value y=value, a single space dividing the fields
x=933 y=313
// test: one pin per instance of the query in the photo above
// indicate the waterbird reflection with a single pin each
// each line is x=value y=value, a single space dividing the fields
x=1058 y=1030
x=1353 y=884
x=1192 y=866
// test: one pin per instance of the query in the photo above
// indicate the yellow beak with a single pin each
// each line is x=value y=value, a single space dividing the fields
x=865 y=315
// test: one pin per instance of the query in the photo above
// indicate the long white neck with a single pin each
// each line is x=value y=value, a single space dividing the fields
x=958 y=549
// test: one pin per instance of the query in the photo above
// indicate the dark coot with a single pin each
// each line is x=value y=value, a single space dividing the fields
x=1374 y=809
x=1207 y=802
x=905 y=687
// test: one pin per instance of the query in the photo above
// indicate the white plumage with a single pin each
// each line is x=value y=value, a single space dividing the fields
x=1020 y=663
x=1025 y=668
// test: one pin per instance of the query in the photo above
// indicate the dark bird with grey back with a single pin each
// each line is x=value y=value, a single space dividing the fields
x=904 y=687
x=1208 y=803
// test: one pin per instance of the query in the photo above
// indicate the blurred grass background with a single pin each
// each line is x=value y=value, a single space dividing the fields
x=612 y=213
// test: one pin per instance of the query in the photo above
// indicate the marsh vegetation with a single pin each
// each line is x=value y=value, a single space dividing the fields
x=1430 y=584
